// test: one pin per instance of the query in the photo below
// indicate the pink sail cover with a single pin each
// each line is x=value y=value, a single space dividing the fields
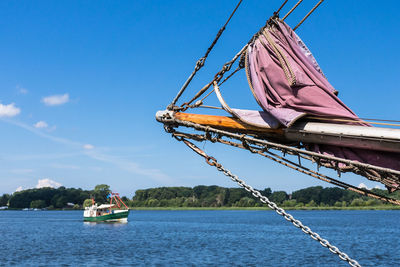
x=288 y=83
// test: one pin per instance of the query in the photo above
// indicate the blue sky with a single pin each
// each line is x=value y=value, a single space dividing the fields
x=80 y=82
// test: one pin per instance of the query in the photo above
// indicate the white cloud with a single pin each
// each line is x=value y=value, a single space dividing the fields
x=19 y=189
x=88 y=146
x=127 y=165
x=55 y=100
x=47 y=183
x=41 y=124
x=9 y=110
x=362 y=185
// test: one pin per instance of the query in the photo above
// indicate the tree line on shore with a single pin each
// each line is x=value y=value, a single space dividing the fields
x=198 y=196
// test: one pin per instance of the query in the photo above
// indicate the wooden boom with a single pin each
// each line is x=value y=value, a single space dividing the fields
x=222 y=122
x=371 y=138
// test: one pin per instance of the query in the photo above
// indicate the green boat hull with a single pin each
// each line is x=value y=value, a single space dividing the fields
x=113 y=217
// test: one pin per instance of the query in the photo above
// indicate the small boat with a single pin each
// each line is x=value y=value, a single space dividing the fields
x=107 y=212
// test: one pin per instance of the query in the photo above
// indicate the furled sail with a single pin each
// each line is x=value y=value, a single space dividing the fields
x=289 y=85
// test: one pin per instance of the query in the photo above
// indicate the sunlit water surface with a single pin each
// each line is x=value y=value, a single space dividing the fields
x=201 y=238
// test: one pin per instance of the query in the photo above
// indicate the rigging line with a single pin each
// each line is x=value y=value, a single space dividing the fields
x=308 y=14
x=272 y=205
x=209 y=93
x=378 y=120
x=218 y=76
x=344 y=120
x=293 y=8
x=212 y=107
x=226 y=67
x=300 y=168
x=200 y=63
x=266 y=143
x=288 y=163
x=230 y=75
x=261 y=151
x=279 y=9
x=385 y=176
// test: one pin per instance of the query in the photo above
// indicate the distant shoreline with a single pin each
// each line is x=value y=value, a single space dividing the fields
x=265 y=208
x=383 y=207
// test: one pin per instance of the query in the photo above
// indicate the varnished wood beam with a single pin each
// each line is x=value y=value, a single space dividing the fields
x=225 y=123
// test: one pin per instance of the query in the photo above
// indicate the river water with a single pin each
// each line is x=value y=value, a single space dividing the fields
x=198 y=238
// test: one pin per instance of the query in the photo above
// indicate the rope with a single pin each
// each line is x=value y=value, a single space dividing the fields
x=308 y=14
x=390 y=178
x=288 y=163
x=226 y=67
x=293 y=8
x=272 y=205
x=349 y=120
x=212 y=107
x=279 y=9
x=200 y=63
x=291 y=78
x=378 y=120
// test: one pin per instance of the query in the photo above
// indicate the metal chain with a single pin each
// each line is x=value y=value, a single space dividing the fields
x=288 y=163
x=388 y=177
x=272 y=205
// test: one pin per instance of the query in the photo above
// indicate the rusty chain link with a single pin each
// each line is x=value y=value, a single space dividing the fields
x=388 y=177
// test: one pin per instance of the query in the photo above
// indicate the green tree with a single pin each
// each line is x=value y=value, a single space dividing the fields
x=311 y=204
x=38 y=204
x=4 y=199
x=279 y=196
x=101 y=192
x=87 y=203
x=152 y=202
x=289 y=203
x=61 y=202
x=245 y=202
x=358 y=202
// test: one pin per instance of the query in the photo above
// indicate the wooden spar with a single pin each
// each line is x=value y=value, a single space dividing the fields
x=229 y=123
x=344 y=135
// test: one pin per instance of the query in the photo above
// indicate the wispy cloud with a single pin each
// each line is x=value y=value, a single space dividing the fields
x=88 y=146
x=41 y=124
x=130 y=166
x=65 y=166
x=25 y=157
x=93 y=153
x=55 y=100
x=42 y=134
x=9 y=110
x=21 y=90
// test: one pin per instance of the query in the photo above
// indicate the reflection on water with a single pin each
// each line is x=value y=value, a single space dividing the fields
x=205 y=238
x=112 y=224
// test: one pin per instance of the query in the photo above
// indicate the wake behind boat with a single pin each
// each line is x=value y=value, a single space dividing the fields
x=107 y=212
